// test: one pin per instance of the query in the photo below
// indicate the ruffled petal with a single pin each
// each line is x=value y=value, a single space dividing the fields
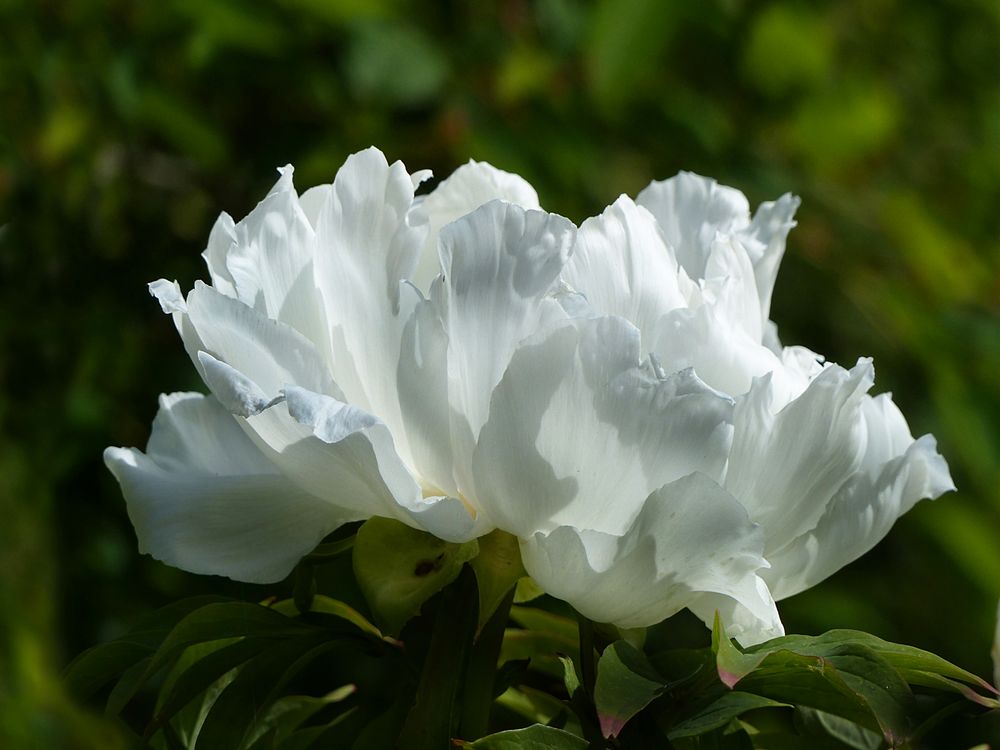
x=691 y=538
x=501 y=262
x=345 y=434
x=466 y=189
x=252 y=363
x=785 y=467
x=269 y=353
x=723 y=355
x=729 y=279
x=423 y=398
x=220 y=240
x=580 y=434
x=203 y=498
x=691 y=210
x=623 y=266
x=368 y=238
x=896 y=472
x=765 y=239
x=271 y=264
x=750 y=619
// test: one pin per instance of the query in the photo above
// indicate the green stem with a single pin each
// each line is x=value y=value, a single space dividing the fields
x=480 y=677
x=433 y=719
x=588 y=671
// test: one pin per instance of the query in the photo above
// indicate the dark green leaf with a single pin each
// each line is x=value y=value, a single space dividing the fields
x=383 y=731
x=898 y=655
x=626 y=684
x=509 y=674
x=532 y=704
x=337 y=733
x=720 y=713
x=940 y=682
x=199 y=667
x=287 y=714
x=245 y=700
x=535 y=737
x=125 y=688
x=226 y=620
x=854 y=684
x=844 y=677
x=545 y=636
x=96 y=666
x=544 y=621
x=680 y=666
x=846 y=732
x=325 y=605
x=540 y=648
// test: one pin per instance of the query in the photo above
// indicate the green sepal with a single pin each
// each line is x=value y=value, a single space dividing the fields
x=399 y=568
x=498 y=568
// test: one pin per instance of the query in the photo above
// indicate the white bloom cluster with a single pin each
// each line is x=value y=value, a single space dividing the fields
x=613 y=395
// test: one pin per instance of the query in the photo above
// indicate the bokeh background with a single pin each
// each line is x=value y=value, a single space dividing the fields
x=125 y=127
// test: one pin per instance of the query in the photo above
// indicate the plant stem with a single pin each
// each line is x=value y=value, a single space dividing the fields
x=588 y=672
x=433 y=719
x=480 y=677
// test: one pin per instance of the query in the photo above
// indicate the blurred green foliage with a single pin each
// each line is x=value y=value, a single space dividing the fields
x=126 y=126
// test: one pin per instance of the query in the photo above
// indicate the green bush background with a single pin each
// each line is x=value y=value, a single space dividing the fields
x=125 y=127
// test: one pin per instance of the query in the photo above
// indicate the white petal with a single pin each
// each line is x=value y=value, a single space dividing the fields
x=786 y=467
x=750 y=619
x=420 y=176
x=346 y=472
x=691 y=210
x=265 y=351
x=895 y=473
x=466 y=189
x=331 y=420
x=723 y=355
x=204 y=499
x=423 y=398
x=349 y=437
x=623 y=266
x=730 y=278
x=765 y=240
x=234 y=390
x=220 y=241
x=271 y=263
x=691 y=538
x=579 y=434
x=168 y=294
x=500 y=264
x=328 y=452
x=312 y=203
x=368 y=238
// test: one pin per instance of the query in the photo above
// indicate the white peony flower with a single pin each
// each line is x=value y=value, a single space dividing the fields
x=614 y=396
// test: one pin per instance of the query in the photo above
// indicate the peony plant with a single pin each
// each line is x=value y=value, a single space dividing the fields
x=614 y=396
x=606 y=409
